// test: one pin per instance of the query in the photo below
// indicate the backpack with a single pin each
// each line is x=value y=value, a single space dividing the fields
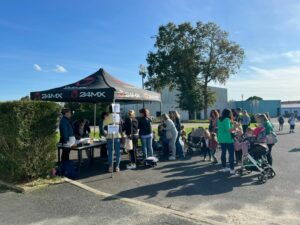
x=281 y=120
x=67 y=169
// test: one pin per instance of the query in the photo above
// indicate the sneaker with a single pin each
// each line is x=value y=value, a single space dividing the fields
x=117 y=169
x=172 y=158
x=225 y=170
x=110 y=169
x=232 y=172
x=131 y=166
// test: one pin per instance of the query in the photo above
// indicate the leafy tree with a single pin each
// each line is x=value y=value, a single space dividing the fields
x=85 y=110
x=188 y=56
x=220 y=57
x=254 y=98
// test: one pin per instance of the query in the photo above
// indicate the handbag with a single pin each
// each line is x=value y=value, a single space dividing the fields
x=272 y=138
x=128 y=141
x=128 y=144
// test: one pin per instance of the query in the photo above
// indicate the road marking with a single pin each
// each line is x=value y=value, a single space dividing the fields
x=173 y=212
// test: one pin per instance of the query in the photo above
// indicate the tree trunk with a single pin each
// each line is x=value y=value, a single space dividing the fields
x=205 y=95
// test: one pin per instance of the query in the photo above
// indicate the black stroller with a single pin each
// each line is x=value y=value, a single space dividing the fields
x=255 y=159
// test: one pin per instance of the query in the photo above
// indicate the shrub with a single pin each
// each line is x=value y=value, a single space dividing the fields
x=27 y=139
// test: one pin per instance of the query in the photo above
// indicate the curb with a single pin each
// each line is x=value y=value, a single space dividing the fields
x=12 y=187
x=173 y=212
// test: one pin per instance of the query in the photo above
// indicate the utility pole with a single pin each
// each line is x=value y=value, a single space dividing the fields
x=142 y=73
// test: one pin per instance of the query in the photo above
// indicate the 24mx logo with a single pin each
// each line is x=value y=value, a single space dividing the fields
x=90 y=94
x=52 y=96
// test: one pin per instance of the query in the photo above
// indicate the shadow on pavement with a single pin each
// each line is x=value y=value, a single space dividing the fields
x=295 y=150
x=190 y=179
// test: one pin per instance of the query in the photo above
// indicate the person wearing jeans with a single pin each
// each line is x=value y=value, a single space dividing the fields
x=117 y=152
x=171 y=133
x=109 y=138
x=147 y=145
x=146 y=132
x=230 y=148
x=225 y=128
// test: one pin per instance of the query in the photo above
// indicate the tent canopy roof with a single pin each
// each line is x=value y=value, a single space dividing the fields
x=98 y=87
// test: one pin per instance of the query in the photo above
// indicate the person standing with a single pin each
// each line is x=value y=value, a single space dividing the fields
x=281 y=122
x=205 y=145
x=179 y=144
x=292 y=122
x=146 y=132
x=245 y=120
x=268 y=128
x=213 y=121
x=131 y=130
x=113 y=141
x=171 y=133
x=226 y=141
x=213 y=146
x=66 y=131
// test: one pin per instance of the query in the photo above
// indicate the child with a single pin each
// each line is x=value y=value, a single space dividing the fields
x=205 y=145
x=238 y=132
x=292 y=122
x=213 y=145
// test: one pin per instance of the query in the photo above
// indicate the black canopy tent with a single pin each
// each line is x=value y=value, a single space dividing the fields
x=98 y=87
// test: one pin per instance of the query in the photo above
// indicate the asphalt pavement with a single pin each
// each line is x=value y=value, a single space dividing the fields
x=191 y=186
x=65 y=204
x=199 y=188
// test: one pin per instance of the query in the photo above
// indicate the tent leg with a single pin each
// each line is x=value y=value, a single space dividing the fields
x=95 y=108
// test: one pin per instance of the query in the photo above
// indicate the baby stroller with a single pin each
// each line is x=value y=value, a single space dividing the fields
x=255 y=159
x=194 y=141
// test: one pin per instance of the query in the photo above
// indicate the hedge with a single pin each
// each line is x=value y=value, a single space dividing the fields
x=27 y=139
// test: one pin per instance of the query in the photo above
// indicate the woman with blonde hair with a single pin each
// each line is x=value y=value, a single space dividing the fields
x=130 y=128
x=171 y=133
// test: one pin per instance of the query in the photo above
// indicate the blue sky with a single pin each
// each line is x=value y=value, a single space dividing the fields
x=45 y=44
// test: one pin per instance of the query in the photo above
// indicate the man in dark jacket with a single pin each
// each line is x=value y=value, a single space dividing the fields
x=66 y=131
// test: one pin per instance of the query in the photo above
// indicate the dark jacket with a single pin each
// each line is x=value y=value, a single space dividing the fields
x=177 y=125
x=76 y=130
x=145 y=126
x=65 y=129
x=130 y=126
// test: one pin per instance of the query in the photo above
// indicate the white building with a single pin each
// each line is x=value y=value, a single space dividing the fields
x=290 y=107
x=169 y=103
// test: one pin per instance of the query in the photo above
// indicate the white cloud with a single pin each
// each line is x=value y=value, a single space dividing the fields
x=279 y=83
x=37 y=67
x=60 y=69
x=294 y=56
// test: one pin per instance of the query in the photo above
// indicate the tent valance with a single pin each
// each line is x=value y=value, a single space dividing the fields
x=98 y=87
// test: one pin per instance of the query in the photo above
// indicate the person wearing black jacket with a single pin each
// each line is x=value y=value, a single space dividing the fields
x=81 y=129
x=130 y=127
x=66 y=131
x=146 y=132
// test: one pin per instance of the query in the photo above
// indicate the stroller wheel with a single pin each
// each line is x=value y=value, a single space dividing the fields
x=262 y=178
x=240 y=172
x=271 y=173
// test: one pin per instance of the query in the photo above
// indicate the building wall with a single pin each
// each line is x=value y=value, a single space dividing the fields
x=271 y=106
x=169 y=103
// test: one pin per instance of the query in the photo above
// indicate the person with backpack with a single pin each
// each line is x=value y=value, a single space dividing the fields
x=292 y=122
x=281 y=122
